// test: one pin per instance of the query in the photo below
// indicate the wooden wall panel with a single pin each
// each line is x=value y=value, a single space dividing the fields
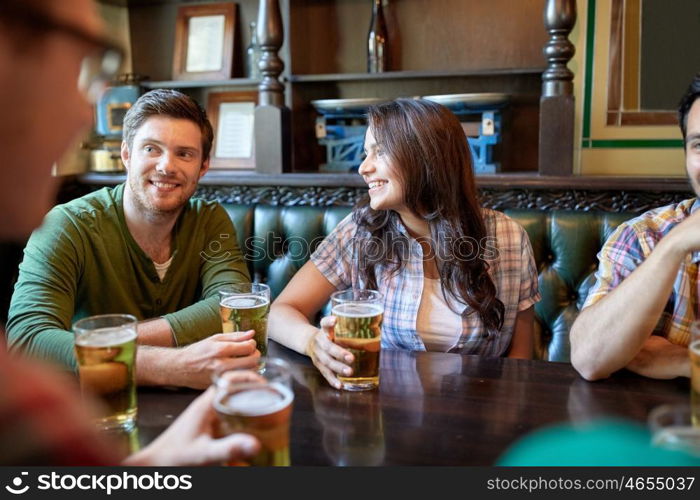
x=428 y=35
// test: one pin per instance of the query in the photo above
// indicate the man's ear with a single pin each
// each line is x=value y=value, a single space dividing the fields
x=125 y=154
x=204 y=167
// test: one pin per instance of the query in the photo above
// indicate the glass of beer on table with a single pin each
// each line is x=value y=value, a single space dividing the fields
x=358 y=329
x=672 y=428
x=243 y=307
x=105 y=347
x=694 y=350
x=257 y=404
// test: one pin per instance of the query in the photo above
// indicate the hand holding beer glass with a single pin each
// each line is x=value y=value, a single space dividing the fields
x=105 y=347
x=257 y=404
x=358 y=329
x=243 y=307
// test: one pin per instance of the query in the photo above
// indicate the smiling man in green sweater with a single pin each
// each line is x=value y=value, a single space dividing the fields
x=142 y=248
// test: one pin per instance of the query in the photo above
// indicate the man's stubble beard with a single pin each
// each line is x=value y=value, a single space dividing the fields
x=150 y=211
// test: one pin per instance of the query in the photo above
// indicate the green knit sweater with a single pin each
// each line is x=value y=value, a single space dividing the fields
x=83 y=261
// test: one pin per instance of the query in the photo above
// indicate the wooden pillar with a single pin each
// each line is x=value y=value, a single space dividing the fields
x=557 y=112
x=272 y=120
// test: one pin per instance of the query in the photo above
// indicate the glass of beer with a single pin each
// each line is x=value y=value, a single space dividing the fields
x=672 y=428
x=257 y=404
x=358 y=329
x=245 y=306
x=694 y=350
x=105 y=347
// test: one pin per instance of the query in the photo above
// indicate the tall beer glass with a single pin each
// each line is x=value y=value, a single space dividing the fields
x=105 y=347
x=358 y=329
x=261 y=406
x=245 y=306
x=694 y=350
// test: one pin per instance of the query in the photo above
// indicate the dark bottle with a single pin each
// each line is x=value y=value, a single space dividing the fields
x=377 y=47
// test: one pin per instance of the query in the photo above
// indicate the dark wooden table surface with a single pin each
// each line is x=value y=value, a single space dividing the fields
x=434 y=408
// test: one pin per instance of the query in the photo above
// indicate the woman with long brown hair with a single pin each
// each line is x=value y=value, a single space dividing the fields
x=455 y=277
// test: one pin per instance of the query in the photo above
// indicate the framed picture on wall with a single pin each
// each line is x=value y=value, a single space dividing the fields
x=232 y=117
x=204 y=42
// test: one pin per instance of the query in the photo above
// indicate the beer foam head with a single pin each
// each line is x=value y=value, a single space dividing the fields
x=106 y=337
x=245 y=301
x=256 y=400
x=357 y=310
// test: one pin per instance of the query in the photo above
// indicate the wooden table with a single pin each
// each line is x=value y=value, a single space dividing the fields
x=434 y=408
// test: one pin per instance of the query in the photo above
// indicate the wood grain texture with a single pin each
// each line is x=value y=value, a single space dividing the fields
x=615 y=62
x=556 y=135
x=623 y=103
x=423 y=34
x=435 y=408
x=152 y=33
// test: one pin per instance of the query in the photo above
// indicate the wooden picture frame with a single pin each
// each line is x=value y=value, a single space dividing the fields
x=624 y=70
x=232 y=117
x=204 y=42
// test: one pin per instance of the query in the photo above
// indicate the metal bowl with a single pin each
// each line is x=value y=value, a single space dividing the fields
x=346 y=105
x=471 y=101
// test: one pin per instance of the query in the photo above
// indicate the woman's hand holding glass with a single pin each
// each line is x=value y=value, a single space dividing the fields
x=328 y=357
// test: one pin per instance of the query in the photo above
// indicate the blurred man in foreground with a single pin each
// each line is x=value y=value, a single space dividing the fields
x=43 y=45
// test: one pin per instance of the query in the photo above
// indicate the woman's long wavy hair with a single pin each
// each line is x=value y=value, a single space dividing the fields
x=428 y=151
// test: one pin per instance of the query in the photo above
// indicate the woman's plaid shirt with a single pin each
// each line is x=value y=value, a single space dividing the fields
x=512 y=268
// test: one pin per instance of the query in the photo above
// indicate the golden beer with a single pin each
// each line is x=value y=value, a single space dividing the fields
x=106 y=367
x=694 y=350
x=240 y=313
x=358 y=329
x=263 y=410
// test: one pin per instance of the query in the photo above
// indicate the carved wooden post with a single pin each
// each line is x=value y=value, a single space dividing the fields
x=557 y=112
x=272 y=130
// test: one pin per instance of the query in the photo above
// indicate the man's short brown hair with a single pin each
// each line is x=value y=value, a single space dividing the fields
x=165 y=102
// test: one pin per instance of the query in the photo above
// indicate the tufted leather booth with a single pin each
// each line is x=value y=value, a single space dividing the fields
x=565 y=245
x=277 y=241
